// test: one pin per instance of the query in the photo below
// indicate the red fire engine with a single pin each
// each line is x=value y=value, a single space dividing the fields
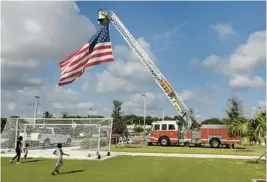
x=167 y=133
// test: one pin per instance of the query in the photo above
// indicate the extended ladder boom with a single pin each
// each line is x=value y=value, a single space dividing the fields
x=149 y=64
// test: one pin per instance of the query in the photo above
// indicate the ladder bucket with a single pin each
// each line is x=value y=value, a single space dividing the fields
x=102 y=19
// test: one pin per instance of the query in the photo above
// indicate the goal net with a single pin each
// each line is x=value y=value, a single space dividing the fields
x=79 y=137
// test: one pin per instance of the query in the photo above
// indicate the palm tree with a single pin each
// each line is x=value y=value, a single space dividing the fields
x=254 y=129
x=239 y=127
x=258 y=127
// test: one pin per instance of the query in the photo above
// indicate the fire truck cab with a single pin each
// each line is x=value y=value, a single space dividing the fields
x=166 y=133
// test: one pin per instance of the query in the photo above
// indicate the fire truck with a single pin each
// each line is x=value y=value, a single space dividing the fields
x=167 y=133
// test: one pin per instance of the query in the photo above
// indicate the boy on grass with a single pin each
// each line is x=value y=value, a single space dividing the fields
x=25 y=150
x=59 y=152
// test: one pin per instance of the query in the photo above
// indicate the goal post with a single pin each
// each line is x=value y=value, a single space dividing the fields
x=82 y=137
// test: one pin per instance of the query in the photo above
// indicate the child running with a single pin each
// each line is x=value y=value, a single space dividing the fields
x=59 y=152
x=18 y=150
x=25 y=150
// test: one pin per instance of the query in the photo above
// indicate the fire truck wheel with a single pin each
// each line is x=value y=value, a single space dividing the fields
x=149 y=144
x=215 y=143
x=164 y=141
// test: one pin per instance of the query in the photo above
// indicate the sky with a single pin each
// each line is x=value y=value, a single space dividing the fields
x=208 y=51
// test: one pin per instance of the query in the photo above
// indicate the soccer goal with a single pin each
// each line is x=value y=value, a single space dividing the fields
x=81 y=138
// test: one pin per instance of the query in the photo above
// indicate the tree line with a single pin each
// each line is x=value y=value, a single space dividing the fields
x=254 y=129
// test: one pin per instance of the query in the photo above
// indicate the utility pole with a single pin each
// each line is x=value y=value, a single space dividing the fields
x=144 y=96
x=163 y=115
x=90 y=113
x=35 y=110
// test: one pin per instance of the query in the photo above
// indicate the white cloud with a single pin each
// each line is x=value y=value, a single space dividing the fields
x=247 y=57
x=131 y=70
x=52 y=98
x=260 y=105
x=27 y=64
x=194 y=96
x=134 y=103
x=31 y=35
x=155 y=102
x=15 y=79
x=198 y=115
x=244 y=81
x=11 y=106
x=211 y=61
x=223 y=30
x=250 y=55
x=72 y=106
x=242 y=63
x=195 y=62
x=187 y=95
x=29 y=32
x=107 y=83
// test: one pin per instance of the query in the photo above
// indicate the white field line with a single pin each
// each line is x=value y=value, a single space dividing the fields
x=256 y=180
x=66 y=158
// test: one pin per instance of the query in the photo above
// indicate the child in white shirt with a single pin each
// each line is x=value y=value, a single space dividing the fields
x=59 y=153
x=25 y=150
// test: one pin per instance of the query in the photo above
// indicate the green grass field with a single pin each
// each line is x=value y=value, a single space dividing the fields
x=182 y=150
x=135 y=169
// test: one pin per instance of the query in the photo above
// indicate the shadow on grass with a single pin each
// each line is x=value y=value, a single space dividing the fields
x=256 y=162
x=72 y=172
x=31 y=161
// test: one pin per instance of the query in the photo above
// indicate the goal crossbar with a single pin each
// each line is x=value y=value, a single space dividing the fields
x=67 y=119
x=62 y=124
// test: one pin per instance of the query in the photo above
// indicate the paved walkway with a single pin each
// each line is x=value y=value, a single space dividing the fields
x=83 y=155
x=72 y=151
x=187 y=155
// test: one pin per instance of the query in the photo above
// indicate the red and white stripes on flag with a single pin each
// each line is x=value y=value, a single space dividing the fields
x=73 y=67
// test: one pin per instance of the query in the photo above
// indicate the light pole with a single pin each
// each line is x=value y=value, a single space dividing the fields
x=163 y=115
x=35 y=110
x=144 y=96
x=90 y=113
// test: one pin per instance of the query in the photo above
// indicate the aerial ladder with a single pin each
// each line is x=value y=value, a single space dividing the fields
x=107 y=17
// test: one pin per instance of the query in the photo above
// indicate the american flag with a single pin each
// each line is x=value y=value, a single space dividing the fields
x=96 y=51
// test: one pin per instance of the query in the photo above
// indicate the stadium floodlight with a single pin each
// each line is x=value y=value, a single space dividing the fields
x=144 y=96
x=90 y=113
x=36 y=105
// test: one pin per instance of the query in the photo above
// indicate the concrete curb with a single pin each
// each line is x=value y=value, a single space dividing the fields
x=114 y=154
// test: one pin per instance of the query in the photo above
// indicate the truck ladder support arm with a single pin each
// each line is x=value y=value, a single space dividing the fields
x=149 y=64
